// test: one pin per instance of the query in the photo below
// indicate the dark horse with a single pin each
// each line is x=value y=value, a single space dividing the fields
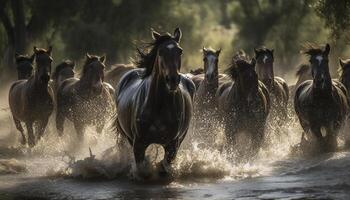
x=244 y=103
x=278 y=88
x=85 y=101
x=117 y=71
x=24 y=66
x=344 y=73
x=321 y=104
x=154 y=102
x=205 y=104
x=30 y=100
x=63 y=71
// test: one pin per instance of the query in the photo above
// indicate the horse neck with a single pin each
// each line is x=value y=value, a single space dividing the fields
x=212 y=86
x=158 y=92
x=326 y=91
x=37 y=82
x=242 y=93
x=265 y=73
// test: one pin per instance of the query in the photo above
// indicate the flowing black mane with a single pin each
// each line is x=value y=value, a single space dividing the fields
x=21 y=58
x=146 y=60
x=311 y=49
x=240 y=59
x=302 y=69
x=88 y=61
x=61 y=66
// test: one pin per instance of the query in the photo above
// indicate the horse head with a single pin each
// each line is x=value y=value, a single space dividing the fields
x=43 y=62
x=264 y=58
x=244 y=75
x=24 y=65
x=211 y=59
x=93 y=72
x=64 y=71
x=345 y=72
x=319 y=65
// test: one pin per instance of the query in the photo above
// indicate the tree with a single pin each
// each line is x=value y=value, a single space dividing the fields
x=26 y=21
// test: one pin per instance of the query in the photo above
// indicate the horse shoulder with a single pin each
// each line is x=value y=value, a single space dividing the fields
x=189 y=85
x=265 y=95
x=197 y=79
x=340 y=90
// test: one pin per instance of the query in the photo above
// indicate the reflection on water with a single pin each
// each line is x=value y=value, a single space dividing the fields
x=63 y=168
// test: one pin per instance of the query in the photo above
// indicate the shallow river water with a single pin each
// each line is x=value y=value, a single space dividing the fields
x=63 y=168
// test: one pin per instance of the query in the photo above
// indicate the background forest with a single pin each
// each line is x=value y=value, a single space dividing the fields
x=117 y=27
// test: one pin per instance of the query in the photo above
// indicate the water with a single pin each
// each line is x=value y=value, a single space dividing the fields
x=63 y=168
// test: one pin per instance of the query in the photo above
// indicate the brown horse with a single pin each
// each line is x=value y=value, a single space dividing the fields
x=205 y=104
x=278 y=88
x=24 y=66
x=63 y=71
x=154 y=102
x=244 y=104
x=321 y=104
x=85 y=101
x=117 y=71
x=30 y=100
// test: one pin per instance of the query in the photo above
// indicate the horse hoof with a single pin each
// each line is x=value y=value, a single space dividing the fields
x=165 y=169
x=31 y=144
x=23 y=142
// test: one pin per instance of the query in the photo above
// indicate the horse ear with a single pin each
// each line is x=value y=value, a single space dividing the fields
x=204 y=50
x=35 y=49
x=49 y=51
x=341 y=62
x=218 y=52
x=327 y=49
x=102 y=59
x=155 y=35
x=253 y=62
x=88 y=56
x=177 y=34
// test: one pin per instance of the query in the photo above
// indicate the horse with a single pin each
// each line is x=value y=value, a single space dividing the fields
x=303 y=73
x=63 y=71
x=278 y=88
x=24 y=66
x=244 y=104
x=114 y=75
x=85 y=101
x=321 y=104
x=31 y=101
x=344 y=73
x=154 y=101
x=205 y=104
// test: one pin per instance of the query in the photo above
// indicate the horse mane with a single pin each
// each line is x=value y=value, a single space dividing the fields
x=311 y=49
x=146 y=59
x=21 y=58
x=239 y=59
x=302 y=69
x=61 y=66
x=88 y=61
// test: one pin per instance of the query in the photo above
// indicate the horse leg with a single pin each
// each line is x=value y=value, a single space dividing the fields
x=169 y=156
x=139 y=149
x=31 y=136
x=59 y=122
x=316 y=131
x=20 y=129
x=41 y=127
x=79 y=128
